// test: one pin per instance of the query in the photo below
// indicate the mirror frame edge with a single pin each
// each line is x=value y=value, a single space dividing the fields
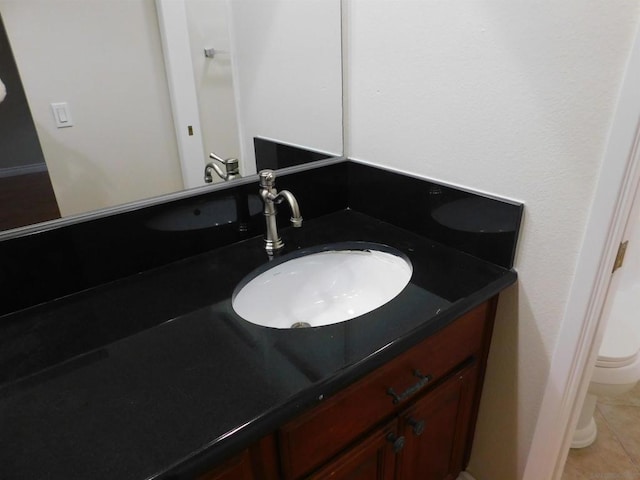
x=153 y=201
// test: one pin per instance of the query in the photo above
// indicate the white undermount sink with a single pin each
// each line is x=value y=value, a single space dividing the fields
x=319 y=288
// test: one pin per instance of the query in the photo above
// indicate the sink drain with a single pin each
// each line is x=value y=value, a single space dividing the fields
x=300 y=325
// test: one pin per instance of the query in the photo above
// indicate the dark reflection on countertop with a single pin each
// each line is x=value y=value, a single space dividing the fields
x=130 y=379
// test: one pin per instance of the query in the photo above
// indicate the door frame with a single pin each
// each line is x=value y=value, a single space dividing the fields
x=176 y=48
x=582 y=327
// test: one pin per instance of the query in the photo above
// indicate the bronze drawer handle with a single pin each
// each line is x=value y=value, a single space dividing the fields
x=416 y=425
x=423 y=380
x=396 y=442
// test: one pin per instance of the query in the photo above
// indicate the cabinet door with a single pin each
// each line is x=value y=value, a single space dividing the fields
x=371 y=459
x=435 y=429
x=236 y=468
x=258 y=462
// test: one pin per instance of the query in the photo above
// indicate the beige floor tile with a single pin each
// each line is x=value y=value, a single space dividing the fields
x=624 y=420
x=606 y=459
x=630 y=398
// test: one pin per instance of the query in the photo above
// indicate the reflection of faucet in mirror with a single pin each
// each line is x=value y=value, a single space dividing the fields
x=271 y=197
x=231 y=171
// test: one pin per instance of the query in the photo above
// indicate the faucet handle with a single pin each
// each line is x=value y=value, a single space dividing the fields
x=229 y=163
x=267 y=178
x=231 y=168
x=224 y=161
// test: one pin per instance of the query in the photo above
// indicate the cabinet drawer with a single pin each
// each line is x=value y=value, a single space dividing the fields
x=315 y=436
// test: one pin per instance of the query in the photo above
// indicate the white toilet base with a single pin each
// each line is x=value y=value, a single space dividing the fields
x=465 y=476
x=586 y=430
x=617 y=369
x=583 y=437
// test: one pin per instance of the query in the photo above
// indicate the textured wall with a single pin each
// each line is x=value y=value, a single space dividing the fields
x=511 y=98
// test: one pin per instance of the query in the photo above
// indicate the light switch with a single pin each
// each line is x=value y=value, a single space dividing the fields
x=62 y=114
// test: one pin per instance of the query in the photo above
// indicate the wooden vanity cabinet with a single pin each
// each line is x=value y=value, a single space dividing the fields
x=435 y=385
x=425 y=441
x=236 y=468
x=373 y=458
x=412 y=418
x=258 y=462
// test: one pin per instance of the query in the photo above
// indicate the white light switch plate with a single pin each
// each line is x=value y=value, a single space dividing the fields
x=62 y=114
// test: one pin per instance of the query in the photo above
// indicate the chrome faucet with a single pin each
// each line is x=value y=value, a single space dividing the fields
x=271 y=197
x=231 y=168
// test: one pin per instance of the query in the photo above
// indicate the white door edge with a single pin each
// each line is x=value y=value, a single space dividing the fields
x=172 y=19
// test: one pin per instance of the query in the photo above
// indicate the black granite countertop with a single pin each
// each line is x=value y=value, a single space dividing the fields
x=155 y=376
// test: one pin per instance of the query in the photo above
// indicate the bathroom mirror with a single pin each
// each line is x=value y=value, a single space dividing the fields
x=106 y=70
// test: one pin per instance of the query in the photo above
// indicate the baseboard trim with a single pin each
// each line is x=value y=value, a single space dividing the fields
x=23 y=170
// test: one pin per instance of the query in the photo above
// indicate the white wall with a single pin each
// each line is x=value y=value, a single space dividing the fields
x=288 y=73
x=103 y=57
x=511 y=98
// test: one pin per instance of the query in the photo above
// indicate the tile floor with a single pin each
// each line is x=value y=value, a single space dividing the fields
x=615 y=455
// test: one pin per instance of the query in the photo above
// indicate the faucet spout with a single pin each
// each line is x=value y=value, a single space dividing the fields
x=270 y=196
x=296 y=217
x=208 y=178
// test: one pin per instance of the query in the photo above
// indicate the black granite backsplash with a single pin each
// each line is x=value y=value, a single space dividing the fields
x=50 y=264
x=484 y=227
